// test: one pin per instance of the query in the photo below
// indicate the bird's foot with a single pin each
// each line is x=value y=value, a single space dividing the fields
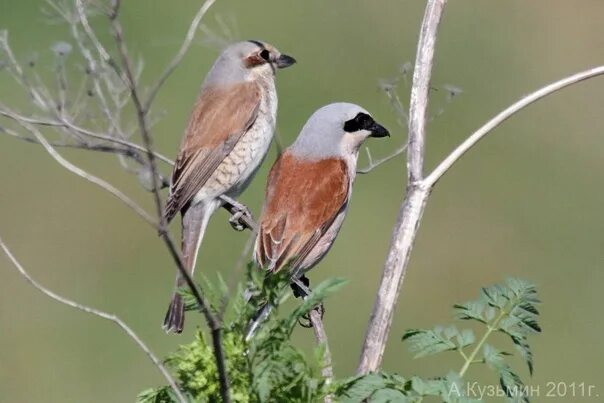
x=241 y=216
x=306 y=321
x=236 y=220
x=301 y=288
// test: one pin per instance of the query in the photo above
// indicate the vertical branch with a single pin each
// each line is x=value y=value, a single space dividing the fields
x=211 y=319
x=420 y=89
x=413 y=206
x=321 y=337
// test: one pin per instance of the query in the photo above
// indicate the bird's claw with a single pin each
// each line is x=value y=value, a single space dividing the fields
x=305 y=320
x=236 y=219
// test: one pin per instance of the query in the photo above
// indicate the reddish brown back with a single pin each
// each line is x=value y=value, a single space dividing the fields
x=302 y=200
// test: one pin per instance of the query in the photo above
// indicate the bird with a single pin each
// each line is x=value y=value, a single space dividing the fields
x=226 y=140
x=308 y=192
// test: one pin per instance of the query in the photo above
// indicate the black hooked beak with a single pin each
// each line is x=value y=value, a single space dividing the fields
x=284 y=61
x=377 y=130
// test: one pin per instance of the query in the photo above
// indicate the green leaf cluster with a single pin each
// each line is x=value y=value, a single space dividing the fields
x=269 y=368
x=509 y=308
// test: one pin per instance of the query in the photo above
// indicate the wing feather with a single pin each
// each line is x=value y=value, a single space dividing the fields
x=219 y=119
x=303 y=199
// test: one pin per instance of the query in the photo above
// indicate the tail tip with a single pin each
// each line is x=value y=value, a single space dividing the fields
x=175 y=317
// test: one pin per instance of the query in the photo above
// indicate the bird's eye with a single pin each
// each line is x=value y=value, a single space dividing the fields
x=364 y=121
x=361 y=121
x=265 y=54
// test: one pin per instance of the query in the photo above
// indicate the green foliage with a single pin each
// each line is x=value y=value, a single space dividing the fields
x=269 y=368
x=510 y=309
x=426 y=342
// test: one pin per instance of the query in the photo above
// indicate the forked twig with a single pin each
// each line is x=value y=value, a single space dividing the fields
x=420 y=186
x=412 y=207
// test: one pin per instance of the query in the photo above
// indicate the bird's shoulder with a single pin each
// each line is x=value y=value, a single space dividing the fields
x=219 y=112
x=309 y=192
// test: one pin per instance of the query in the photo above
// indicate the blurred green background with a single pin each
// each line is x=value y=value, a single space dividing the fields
x=525 y=202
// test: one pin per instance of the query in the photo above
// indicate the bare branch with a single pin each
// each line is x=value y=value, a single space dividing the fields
x=101 y=314
x=239 y=210
x=479 y=134
x=420 y=90
x=415 y=200
x=17 y=72
x=234 y=274
x=83 y=174
x=321 y=337
x=213 y=322
x=65 y=124
x=91 y=147
x=180 y=55
x=376 y=163
x=397 y=104
x=91 y=35
x=419 y=188
x=402 y=118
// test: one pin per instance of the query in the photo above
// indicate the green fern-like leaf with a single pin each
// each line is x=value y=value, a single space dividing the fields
x=472 y=310
x=510 y=382
x=423 y=342
x=515 y=303
x=374 y=388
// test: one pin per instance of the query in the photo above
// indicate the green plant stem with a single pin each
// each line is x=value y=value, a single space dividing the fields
x=490 y=329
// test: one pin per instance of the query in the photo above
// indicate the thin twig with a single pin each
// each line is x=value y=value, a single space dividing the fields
x=104 y=148
x=105 y=57
x=475 y=137
x=98 y=313
x=321 y=337
x=66 y=124
x=213 y=322
x=179 y=55
x=83 y=174
x=397 y=105
x=142 y=123
x=16 y=72
x=234 y=207
x=412 y=207
x=234 y=274
x=376 y=163
x=403 y=121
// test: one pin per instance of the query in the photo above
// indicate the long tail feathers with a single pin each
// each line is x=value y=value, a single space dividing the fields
x=175 y=317
x=194 y=223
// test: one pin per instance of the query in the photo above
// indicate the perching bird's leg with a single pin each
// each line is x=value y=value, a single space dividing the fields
x=241 y=216
x=301 y=288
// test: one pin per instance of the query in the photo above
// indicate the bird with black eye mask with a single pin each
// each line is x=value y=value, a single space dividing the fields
x=308 y=192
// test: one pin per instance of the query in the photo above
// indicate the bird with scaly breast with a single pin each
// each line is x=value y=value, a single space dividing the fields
x=227 y=138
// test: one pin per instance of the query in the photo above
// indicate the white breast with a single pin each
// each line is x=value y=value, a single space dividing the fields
x=237 y=170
